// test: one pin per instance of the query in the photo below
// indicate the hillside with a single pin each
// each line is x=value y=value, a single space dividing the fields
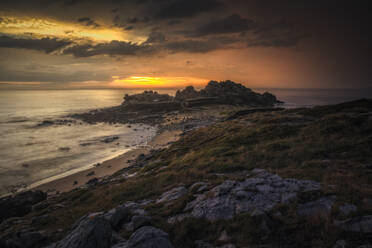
x=273 y=178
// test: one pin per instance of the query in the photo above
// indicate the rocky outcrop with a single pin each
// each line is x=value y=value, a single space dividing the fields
x=361 y=224
x=224 y=92
x=145 y=237
x=172 y=194
x=91 y=231
x=20 y=204
x=320 y=208
x=187 y=93
x=146 y=97
x=23 y=239
x=260 y=191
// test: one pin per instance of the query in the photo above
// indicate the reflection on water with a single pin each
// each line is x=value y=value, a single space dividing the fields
x=29 y=153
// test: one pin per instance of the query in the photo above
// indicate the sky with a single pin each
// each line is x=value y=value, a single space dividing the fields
x=58 y=44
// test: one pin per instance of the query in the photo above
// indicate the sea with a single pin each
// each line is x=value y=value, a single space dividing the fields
x=30 y=152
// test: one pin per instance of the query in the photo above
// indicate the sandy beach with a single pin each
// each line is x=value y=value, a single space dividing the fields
x=107 y=167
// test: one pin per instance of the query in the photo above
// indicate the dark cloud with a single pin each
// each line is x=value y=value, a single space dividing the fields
x=155 y=37
x=199 y=46
x=112 y=48
x=279 y=34
x=47 y=45
x=231 y=24
x=182 y=8
x=191 y=46
x=87 y=21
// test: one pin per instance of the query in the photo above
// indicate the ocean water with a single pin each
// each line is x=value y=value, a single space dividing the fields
x=30 y=153
x=294 y=98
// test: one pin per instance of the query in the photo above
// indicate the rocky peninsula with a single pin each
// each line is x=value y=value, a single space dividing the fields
x=151 y=107
x=242 y=174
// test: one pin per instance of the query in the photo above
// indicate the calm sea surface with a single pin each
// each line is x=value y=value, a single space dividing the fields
x=29 y=153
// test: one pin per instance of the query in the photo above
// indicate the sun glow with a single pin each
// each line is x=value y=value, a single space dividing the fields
x=39 y=28
x=160 y=82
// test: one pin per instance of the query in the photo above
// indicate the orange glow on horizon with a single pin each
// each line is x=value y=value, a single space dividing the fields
x=156 y=82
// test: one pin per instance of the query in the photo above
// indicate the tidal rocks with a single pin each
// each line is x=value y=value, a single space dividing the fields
x=110 y=139
x=146 y=97
x=187 y=93
x=20 y=204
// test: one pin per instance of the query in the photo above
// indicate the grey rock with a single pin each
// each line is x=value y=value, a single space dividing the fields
x=340 y=244
x=139 y=221
x=320 y=208
x=40 y=219
x=224 y=237
x=202 y=244
x=347 y=209
x=117 y=216
x=362 y=224
x=262 y=190
x=149 y=237
x=172 y=194
x=136 y=208
x=23 y=239
x=92 y=231
x=198 y=187
x=20 y=204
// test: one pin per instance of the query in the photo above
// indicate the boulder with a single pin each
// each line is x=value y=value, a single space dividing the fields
x=320 y=208
x=347 y=209
x=360 y=224
x=148 y=236
x=117 y=216
x=172 y=194
x=260 y=190
x=340 y=244
x=23 y=239
x=92 y=231
x=139 y=221
x=20 y=204
x=188 y=93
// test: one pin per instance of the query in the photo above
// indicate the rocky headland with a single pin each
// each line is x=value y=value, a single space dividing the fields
x=254 y=176
x=152 y=108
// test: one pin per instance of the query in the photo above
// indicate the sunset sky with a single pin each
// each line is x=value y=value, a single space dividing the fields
x=55 y=44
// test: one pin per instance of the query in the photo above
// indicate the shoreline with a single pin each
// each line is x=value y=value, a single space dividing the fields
x=71 y=180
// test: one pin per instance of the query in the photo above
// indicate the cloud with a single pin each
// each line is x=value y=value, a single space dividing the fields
x=279 y=34
x=87 y=21
x=112 y=48
x=199 y=46
x=231 y=24
x=13 y=75
x=155 y=37
x=46 y=45
x=183 y=8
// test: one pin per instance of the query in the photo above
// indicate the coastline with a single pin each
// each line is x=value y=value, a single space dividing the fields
x=108 y=167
